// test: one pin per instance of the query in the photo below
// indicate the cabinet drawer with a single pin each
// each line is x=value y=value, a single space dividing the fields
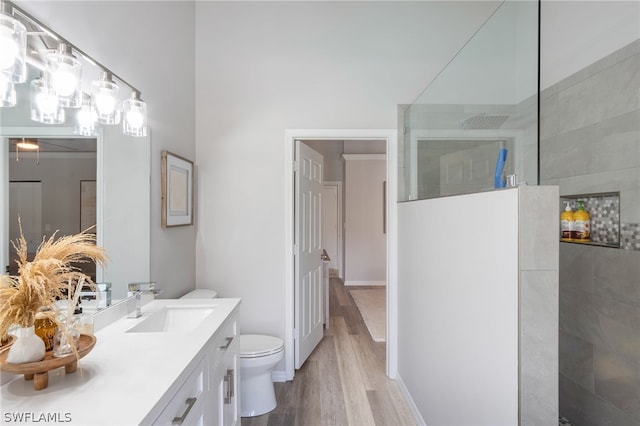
x=188 y=405
x=226 y=340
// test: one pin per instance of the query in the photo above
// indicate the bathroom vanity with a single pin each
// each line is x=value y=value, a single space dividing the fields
x=175 y=364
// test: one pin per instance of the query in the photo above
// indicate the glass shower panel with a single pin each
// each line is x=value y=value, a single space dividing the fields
x=485 y=100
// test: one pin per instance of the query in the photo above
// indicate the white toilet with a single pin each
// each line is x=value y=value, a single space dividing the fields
x=259 y=355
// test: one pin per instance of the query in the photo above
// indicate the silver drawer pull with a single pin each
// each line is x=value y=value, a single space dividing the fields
x=226 y=346
x=229 y=387
x=179 y=420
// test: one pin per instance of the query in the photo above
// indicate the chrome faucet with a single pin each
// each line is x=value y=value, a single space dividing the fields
x=137 y=290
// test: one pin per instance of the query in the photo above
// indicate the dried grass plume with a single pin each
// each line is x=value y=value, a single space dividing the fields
x=46 y=278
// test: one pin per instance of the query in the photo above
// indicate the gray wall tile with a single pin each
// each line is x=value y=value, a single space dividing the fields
x=574 y=107
x=617 y=380
x=618 y=142
x=538 y=347
x=618 y=275
x=614 y=91
x=568 y=154
x=548 y=116
x=538 y=227
x=585 y=408
x=576 y=360
x=576 y=266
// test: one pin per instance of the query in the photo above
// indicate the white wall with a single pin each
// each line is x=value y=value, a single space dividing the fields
x=365 y=241
x=458 y=307
x=264 y=67
x=575 y=34
x=150 y=45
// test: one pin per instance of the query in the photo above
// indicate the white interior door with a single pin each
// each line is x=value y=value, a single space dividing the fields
x=308 y=329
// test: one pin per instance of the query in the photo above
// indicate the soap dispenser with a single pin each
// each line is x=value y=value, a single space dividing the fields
x=582 y=225
x=567 y=222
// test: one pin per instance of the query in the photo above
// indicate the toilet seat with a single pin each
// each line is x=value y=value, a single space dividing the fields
x=255 y=345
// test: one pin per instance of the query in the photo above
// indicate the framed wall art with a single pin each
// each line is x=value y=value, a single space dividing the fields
x=177 y=190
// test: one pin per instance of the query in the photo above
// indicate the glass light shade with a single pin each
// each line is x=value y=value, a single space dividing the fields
x=104 y=95
x=85 y=120
x=134 y=122
x=13 y=49
x=45 y=107
x=65 y=75
x=7 y=92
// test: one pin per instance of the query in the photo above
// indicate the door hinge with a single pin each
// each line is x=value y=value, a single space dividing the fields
x=295 y=166
x=295 y=334
x=295 y=249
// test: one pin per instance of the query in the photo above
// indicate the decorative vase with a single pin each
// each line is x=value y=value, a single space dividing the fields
x=66 y=337
x=27 y=348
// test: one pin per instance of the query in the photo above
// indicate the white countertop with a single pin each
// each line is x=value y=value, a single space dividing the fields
x=122 y=379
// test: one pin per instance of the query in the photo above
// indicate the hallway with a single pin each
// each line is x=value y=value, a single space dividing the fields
x=343 y=382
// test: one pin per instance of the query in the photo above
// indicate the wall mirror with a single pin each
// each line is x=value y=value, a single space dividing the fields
x=112 y=168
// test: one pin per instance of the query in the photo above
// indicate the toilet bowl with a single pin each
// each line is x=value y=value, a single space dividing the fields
x=259 y=355
x=200 y=293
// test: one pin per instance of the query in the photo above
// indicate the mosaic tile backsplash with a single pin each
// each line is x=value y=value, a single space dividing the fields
x=605 y=220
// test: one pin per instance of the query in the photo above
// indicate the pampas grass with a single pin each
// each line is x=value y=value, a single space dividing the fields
x=47 y=278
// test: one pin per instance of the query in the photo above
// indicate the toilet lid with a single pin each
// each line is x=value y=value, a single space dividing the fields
x=255 y=345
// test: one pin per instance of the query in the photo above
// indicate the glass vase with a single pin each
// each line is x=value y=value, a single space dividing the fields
x=66 y=338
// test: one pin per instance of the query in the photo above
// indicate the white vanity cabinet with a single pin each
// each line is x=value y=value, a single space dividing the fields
x=209 y=396
x=189 y=405
x=189 y=375
x=224 y=373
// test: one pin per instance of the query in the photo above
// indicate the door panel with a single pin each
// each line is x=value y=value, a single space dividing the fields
x=308 y=261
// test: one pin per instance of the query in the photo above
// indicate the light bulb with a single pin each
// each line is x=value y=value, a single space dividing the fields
x=135 y=119
x=9 y=48
x=63 y=80
x=85 y=117
x=105 y=102
x=47 y=103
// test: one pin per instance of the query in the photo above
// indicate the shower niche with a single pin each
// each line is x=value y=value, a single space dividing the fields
x=604 y=209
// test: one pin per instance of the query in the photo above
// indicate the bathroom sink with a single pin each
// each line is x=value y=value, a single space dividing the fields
x=173 y=318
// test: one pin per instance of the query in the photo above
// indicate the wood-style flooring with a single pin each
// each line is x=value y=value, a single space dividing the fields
x=343 y=382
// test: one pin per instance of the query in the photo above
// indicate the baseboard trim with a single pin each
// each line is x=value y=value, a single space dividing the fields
x=363 y=283
x=412 y=405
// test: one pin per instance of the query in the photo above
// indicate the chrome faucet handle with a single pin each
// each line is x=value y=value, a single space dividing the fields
x=136 y=290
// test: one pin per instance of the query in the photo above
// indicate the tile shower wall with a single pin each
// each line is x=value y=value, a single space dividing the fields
x=590 y=143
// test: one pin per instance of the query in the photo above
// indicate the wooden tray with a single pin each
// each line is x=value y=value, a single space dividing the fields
x=39 y=371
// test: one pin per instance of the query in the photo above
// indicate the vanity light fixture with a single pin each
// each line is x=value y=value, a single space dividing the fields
x=60 y=86
x=7 y=92
x=13 y=46
x=85 y=119
x=104 y=93
x=135 y=116
x=65 y=75
x=45 y=107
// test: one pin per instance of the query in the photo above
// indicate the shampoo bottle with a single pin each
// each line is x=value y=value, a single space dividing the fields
x=582 y=224
x=567 y=222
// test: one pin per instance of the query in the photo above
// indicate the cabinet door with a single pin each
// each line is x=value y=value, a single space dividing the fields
x=189 y=405
x=231 y=405
x=224 y=376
